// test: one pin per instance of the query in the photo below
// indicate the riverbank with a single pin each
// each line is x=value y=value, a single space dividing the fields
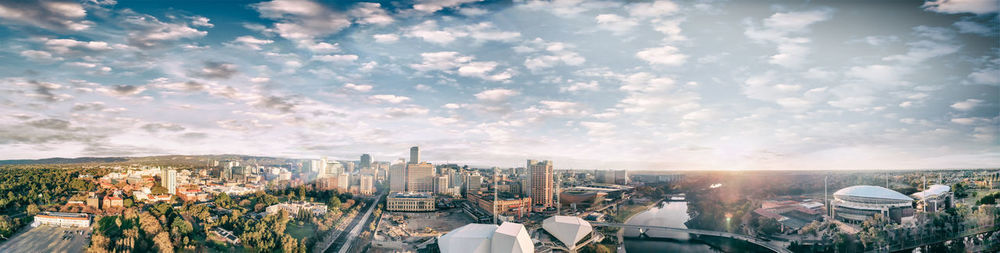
x=629 y=214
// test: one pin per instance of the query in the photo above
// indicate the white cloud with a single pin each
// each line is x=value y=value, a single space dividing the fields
x=987 y=75
x=450 y=62
x=880 y=74
x=550 y=54
x=665 y=55
x=428 y=31
x=615 y=23
x=967 y=121
x=599 y=129
x=201 y=21
x=52 y=15
x=430 y=6
x=338 y=58
x=652 y=9
x=385 y=38
x=966 y=26
x=303 y=21
x=780 y=28
x=36 y=55
x=147 y=31
x=580 y=86
x=389 y=98
x=370 y=13
x=496 y=95
x=963 y=6
x=480 y=32
x=251 y=42
x=71 y=46
x=358 y=87
x=966 y=105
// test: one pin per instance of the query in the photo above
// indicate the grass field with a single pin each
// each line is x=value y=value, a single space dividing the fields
x=307 y=229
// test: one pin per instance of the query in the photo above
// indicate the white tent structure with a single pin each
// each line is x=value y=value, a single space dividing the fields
x=513 y=238
x=487 y=238
x=567 y=229
x=472 y=238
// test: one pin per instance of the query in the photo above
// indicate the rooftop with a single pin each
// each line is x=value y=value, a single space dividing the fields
x=870 y=191
x=933 y=190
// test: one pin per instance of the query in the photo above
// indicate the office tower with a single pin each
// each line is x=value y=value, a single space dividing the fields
x=171 y=181
x=415 y=154
x=349 y=167
x=397 y=176
x=621 y=177
x=541 y=182
x=366 y=161
x=366 y=184
x=420 y=177
x=441 y=183
x=475 y=183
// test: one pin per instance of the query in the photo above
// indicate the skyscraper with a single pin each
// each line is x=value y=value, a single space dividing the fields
x=541 y=182
x=420 y=177
x=414 y=154
x=397 y=176
x=366 y=161
x=170 y=181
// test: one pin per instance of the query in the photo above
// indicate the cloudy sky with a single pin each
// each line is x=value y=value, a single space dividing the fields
x=588 y=84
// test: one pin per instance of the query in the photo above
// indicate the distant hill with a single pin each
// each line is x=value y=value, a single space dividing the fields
x=60 y=160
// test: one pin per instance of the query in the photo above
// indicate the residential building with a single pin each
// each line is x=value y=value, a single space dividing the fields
x=542 y=180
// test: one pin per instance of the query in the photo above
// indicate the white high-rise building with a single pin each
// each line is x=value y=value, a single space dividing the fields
x=397 y=176
x=170 y=181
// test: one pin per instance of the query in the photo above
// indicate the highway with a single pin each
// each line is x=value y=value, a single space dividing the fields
x=749 y=239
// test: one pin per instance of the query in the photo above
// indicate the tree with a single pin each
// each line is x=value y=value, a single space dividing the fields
x=149 y=224
x=334 y=202
x=162 y=241
x=183 y=227
x=127 y=202
x=159 y=190
x=8 y=226
x=768 y=225
x=33 y=209
x=223 y=200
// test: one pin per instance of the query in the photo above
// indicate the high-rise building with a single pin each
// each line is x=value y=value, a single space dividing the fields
x=415 y=154
x=541 y=180
x=475 y=183
x=366 y=161
x=420 y=177
x=397 y=176
x=170 y=181
x=366 y=185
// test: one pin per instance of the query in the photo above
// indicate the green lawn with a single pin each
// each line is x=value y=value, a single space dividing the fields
x=307 y=229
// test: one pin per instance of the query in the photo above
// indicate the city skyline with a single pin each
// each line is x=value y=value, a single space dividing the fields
x=594 y=84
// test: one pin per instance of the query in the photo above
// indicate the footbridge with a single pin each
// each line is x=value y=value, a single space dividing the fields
x=644 y=228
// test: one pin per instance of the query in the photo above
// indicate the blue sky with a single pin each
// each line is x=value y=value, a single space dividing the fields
x=588 y=84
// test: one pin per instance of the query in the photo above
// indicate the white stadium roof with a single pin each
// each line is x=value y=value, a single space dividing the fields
x=512 y=237
x=870 y=191
x=932 y=191
x=472 y=238
x=568 y=229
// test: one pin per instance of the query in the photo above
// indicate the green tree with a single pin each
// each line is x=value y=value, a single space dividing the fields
x=158 y=190
x=33 y=209
x=223 y=200
x=334 y=203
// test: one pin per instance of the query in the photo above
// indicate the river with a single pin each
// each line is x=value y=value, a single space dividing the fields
x=675 y=214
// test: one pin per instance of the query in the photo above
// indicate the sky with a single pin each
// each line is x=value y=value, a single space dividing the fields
x=654 y=85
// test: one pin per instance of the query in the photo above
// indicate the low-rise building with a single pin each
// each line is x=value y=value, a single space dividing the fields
x=81 y=220
x=936 y=198
x=508 y=204
x=293 y=208
x=410 y=202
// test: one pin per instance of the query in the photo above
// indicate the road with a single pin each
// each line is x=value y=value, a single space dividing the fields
x=343 y=241
x=749 y=239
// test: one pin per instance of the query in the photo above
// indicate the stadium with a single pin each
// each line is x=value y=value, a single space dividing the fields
x=856 y=203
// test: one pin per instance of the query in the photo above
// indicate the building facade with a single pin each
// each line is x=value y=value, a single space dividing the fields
x=542 y=180
x=856 y=203
x=397 y=177
x=410 y=202
x=80 y=220
x=420 y=177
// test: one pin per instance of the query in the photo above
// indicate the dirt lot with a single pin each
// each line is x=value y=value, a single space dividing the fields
x=440 y=222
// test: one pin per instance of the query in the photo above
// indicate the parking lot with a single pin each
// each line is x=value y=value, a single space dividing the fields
x=48 y=239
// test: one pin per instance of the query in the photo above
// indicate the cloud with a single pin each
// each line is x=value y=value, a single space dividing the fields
x=304 y=22
x=580 y=86
x=370 y=13
x=201 y=21
x=339 y=58
x=46 y=91
x=51 y=15
x=966 y=26
x=387 y=98
x=385 y=38
x=181 y=86
x=282 y=104
x=480 y=32
x=599 y=129
x=780 y=28
x=978 y=7
x=358 y=87
x=71 y=46
x=496 y=95
x=665 y=55
x=652 y=9
x=147 y=31
x=251 y=42
x=550 y=54
x=405 y=112
x=450 y=62
x=966 y=105
x=431 y=6
x=216 y=70
x=615 y=23
x=156 y=127
x=122 y=90
x=41 y=56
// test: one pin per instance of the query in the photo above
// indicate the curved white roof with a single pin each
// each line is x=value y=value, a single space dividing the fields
x=473 y=238
x=870 y=191
x=933 y=190
x=568 y=229
x=513 y=238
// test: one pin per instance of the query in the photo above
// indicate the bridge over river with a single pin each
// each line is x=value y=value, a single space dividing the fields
x=644 y=228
